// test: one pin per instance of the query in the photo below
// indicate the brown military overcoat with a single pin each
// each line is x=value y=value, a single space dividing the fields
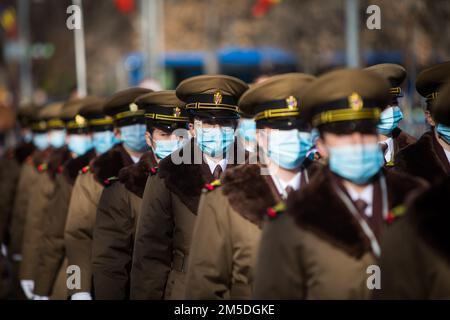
x=415 y=256
x=83 y=209
x=166 y=223
x=227 y=232
x=46 y=167
x=10 y=168
x=115 y=228
x=50 y=267
x=320 y=249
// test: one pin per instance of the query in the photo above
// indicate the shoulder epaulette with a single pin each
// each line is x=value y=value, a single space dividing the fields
x=211 y=186
x=275 y=211
x=85 y=169
x=42 y=167
x=109 y=181
x=395 y=213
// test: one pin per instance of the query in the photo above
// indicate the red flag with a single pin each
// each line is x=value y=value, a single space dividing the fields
x=261 y=7
x=125 y=6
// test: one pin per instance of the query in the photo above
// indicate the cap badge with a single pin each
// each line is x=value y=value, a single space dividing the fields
x=79 y=120
x=176 y=112
x=217 y=97
x=355 y=101
x=291 y=102
x=133 y=107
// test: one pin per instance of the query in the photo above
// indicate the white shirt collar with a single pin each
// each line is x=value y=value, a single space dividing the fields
x=281 y=185
x=135 y=159
x=447 y=153
x=388 y=155
x=212 y=163
x=366 y=195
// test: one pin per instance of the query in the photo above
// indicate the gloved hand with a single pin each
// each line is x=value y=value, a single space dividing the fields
x=81 y=296
x=36 y=297
x=27 y=287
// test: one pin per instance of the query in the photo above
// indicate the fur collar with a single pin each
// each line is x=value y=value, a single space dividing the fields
x=23 y=151
x=187 y=180
x=74 y=165
x=134 y=177
x=109 y=164
x=430 y=216
x=57 y=159
x=421 y=159
x=331 y=220
x=41 y=156
x=401 y=139
x=250 y=193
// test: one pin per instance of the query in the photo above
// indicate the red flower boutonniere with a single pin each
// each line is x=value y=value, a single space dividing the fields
x=211 y=186
x=273 y=212
x=395 y=213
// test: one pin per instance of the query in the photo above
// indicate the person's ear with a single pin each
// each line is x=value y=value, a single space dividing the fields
x=321 y=148
x=429 y=118
x=149 y=140
x=191 y=129
x=117 y=133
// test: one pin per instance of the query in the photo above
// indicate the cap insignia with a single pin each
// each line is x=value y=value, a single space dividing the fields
x=355 y=101
x=176 y=112
x=79 y=120
x=291 y=102
x=133 y=107
x=217 y=97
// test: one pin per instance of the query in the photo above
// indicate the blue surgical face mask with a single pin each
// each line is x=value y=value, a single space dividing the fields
x=315 y=135
x=103 y=141
x=389 y=120
x=247 y=129
x=133 y=137
x=215 y=141
x=40 y=140
x=357 y=163
x=57 y=138
x=444 y=132
x=165 y=147
x=288 y=148
x=28 y=137
x=79 y=144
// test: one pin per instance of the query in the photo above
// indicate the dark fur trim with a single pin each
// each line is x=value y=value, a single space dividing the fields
x=109 y=164
x=402 y=139
x=420 y=159
x=134 y=177
x=249 y=192
x=402 y=188
x=23 y=151
x=331 y=220
x=313 y=168
x=73 y=166
x=187 y=180
x=431 y=217
x=57 y=159
x=41 y=156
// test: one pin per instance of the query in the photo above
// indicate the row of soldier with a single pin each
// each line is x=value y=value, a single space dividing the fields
x=291 y=188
